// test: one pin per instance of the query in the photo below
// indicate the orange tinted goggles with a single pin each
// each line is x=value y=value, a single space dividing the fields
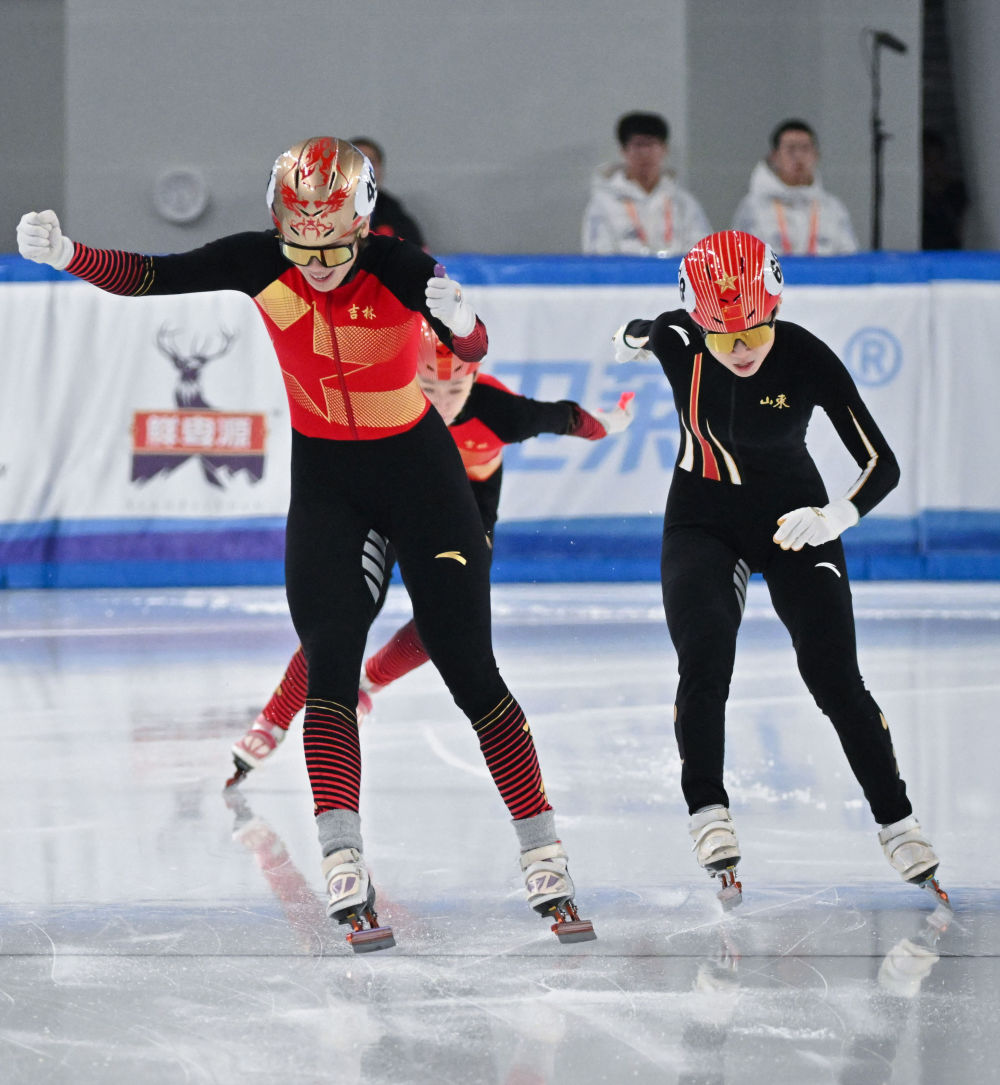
x=328 y=255
x=725 y=342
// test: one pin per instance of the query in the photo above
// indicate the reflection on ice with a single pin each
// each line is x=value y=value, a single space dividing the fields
x=153 y=929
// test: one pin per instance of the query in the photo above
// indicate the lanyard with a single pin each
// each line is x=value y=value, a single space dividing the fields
x=786 y=244
x=668 y=222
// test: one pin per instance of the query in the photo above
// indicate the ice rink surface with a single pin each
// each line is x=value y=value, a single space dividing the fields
x=153 y=931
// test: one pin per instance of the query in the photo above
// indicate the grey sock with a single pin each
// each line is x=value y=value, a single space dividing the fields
x=338 y=829
x=537 y=831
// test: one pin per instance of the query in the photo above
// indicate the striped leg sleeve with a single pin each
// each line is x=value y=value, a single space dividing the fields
x=506 y=742
x=333 y=755
x=290 y=696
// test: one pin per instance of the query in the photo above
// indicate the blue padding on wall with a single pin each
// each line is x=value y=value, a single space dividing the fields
x=938 y=545
x=15 y=269
x=100 y=542
x=862 y=269
x=144 y=574
x=480 y=269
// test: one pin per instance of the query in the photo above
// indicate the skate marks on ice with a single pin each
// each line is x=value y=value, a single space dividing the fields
x=806 y=981
x=149 y=933
x=224 y=993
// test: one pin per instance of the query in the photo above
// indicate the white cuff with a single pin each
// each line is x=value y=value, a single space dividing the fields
x=66 y=250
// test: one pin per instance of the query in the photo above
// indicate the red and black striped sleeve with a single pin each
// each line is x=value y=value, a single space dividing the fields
x=471 y=347
x=244 y=262
x=128 y=273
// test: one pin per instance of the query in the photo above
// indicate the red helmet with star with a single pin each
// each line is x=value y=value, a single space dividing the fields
x=436 y=362
x=730 y=281
x=321 y=190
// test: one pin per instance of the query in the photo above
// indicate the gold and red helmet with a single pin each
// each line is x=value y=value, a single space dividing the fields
x=436 y=362
x=730 y=281
x=322 y=192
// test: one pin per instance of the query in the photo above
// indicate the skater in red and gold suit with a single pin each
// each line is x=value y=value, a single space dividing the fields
x=747 y=497
x=345 y=314
x=483 y=416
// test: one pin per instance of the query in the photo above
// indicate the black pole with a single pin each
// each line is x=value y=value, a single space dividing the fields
x=880 y=39
x=878 y=139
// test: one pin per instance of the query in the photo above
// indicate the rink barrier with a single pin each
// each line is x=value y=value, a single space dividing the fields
x=936 y=546
x=863 y=269
x=479 y=269
x=161 y=551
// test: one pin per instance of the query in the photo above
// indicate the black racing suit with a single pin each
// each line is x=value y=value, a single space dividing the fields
x=368 y=453
x=743 y=463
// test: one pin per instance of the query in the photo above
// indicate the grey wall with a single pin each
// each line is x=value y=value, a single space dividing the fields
x=32 y=119
x=493 y=115
x=754 y=64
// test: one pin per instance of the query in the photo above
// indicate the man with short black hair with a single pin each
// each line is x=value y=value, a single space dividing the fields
x=635 y=205
x=787 y=205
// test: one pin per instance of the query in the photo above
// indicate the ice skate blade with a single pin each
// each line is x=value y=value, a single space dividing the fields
x=574 y=930
x=242 y=771
x=933 y=886
x=568 y=926
x=731 y=893
x=942 y=917
x=371 y=939
x=730 y=897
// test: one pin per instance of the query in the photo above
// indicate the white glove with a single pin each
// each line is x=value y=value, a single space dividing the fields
x=620 y=418
x=815 y=526
x=628 y=349
x=446 y=301
x=40 y=238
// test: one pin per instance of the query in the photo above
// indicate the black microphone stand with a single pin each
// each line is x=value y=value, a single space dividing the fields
x=880 y=40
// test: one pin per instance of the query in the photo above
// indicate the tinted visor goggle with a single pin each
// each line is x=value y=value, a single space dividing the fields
x=725 y=342
x=328 y=255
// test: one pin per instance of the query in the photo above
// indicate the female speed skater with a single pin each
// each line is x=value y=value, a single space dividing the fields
x=747 y=497
x=344 y=311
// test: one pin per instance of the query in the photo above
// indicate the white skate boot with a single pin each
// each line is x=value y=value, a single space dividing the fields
x=910 y=853
x=717 y=850
x=255 y=747
x=352 y=900
x=550 y=891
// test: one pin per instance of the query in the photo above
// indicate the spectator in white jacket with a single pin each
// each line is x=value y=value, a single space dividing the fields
x=787 y=206
x=636 y=206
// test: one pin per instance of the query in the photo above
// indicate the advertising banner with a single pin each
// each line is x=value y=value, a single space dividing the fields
x=132 y=427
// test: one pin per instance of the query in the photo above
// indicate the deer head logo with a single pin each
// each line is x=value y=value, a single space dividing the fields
x=189 y=364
